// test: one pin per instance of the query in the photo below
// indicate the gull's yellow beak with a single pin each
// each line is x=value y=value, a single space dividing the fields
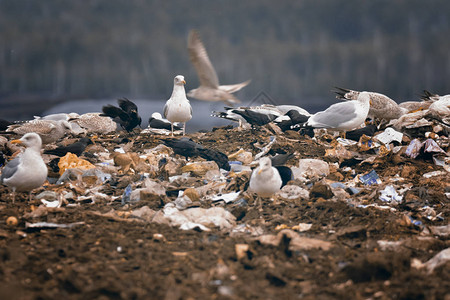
x=184 y=82
x=370 y=102
x=16 y=142
x=259 y=172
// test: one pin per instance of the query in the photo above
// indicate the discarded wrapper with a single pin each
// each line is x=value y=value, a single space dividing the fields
x=389 y=135
x=370 y=178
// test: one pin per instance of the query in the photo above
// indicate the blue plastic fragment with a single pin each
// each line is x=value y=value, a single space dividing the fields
x=127 y=194
x=336 y=185
x=370 y=178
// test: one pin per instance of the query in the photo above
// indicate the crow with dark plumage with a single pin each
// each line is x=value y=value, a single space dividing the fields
x=254 y=117
x=188 y=148
x=76 y=148
x=126 y=115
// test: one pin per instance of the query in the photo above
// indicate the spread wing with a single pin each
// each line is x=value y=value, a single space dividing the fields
x=199 y=58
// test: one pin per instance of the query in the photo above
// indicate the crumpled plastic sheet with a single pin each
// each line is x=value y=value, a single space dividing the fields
x=389 y=194
x=429 y=146
x=389 y=135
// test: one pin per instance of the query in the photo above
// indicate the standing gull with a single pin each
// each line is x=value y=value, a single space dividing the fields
x=178 y=108
x=27 y=171
x=344 y=116
x=209 y=89
x=265 y=180
x=94 y=123
x=381 y=107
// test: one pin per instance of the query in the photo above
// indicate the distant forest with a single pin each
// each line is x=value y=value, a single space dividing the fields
x=292 y=50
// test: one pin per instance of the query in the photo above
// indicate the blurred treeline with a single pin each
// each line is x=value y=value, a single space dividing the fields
x=292 y=50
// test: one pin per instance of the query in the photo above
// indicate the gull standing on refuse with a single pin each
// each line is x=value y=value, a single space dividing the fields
x=49 y=131
x=27 y=171
x=209 y=89
x=381 y=106
x=93 y=123
x=265 y=180
x=343 y=116
x=178 y=108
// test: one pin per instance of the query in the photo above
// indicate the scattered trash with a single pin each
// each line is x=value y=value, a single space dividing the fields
x=389 y=135
x=438 y=260
x=311 y=168
x=48 y=225
x=370 y=178
x=389 y=194
x=296 y=243
x=71 y=161
x=230 y=197
x=12 y=221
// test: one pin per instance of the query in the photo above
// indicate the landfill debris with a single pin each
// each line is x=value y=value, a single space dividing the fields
x=389 y=194
x=71 y=161
x=230 y=197
x=389 y=135
x=370 y=178
x=296 y=242
x=12 y=221
x=311 y=168
x=436 y=261
x=49 y=225
x=357 y=198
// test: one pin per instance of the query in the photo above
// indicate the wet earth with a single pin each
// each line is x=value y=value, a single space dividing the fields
x=354 y=247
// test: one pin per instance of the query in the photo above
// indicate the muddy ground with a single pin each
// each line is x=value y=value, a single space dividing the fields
x=120 y=258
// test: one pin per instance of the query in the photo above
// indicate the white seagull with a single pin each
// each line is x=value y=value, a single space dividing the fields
x=343 y=116
x=209 y=89
x=265 y=180
x=178 y=108
x=27 y=171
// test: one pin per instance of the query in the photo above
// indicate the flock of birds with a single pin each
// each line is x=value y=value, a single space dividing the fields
x=28 y=171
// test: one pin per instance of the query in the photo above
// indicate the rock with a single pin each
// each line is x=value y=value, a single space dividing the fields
x=200 y=168
x=312 y=168
x=291 y=192
x=192 y=194
x=243 y=156
x=296 y=242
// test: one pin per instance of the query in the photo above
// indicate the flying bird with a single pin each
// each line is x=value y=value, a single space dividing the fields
x=343 y=116
x=76 y=148
x=265 y=179
x=178 y=107
x=209 y=89
x=27 y=171
x=158 y=122
x=126 y=115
